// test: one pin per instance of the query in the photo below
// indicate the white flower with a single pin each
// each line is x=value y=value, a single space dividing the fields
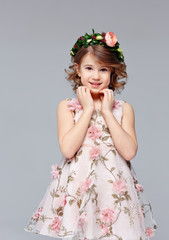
x=89 y=40
x=99 y=38
x=119 y=50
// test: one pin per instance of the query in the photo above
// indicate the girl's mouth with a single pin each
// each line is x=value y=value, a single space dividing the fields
x=95 y=84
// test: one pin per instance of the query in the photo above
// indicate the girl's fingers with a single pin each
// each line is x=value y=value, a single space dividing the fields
x=107 y=94
x=110 y=92
x=81 y=90
x=87 y=91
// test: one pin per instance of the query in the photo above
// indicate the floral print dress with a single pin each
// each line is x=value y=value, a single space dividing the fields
x=95 y=194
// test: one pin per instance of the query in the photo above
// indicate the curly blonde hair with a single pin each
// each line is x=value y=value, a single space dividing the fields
x=110 y=60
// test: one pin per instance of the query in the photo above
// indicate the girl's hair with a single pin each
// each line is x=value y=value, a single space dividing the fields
x=109 y=58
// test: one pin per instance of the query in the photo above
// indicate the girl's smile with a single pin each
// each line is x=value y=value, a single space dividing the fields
x=95 y=84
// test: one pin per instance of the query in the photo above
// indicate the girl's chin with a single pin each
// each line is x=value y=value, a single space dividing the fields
x=95 y=90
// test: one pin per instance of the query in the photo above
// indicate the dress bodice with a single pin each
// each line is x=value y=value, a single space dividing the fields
x=97 y=128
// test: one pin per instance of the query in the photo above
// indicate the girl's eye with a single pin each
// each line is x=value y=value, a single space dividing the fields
x=88 y=68
x=104 y=69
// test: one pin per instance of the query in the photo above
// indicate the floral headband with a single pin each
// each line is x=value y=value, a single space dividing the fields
x=108 y=40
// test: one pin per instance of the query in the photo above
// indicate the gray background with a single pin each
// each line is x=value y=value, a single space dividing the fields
x=35 y=40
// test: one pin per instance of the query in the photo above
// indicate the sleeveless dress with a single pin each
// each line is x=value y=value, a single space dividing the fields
x=95 y=194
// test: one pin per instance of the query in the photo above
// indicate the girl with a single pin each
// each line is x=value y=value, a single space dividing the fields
x=94 y=193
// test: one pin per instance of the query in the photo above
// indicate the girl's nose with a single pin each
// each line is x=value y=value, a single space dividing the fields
x=96 y=75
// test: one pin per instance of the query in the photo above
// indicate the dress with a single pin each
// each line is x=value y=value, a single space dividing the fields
x=95 y=194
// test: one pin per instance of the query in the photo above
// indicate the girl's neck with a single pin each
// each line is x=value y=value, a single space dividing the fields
x=97 y=101
x=96 y=97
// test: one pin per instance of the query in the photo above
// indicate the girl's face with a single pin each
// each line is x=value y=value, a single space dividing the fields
x=93 y=75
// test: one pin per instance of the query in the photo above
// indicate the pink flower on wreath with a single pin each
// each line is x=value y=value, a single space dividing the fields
x=111 y=39
x=56 y=224
x=94 y=132
x=63 y=201
x=107 y=215
x=94 y=152
x=81 y=220
x=119 y=186
x=85 y=185
x=74 y=104
x=139 y=187
x=149 y=232
x=55 y=171
x=105 y=229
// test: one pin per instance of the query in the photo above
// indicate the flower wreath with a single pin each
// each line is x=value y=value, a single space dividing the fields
x=108 y=40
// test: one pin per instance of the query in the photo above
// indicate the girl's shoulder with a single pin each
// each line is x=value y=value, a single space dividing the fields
x=119 y=104
x=73 y=104
x=124 y=103
x=63 y=107
x=127 y=111
x=125 y=107
x=66 y=102
x=69 y=104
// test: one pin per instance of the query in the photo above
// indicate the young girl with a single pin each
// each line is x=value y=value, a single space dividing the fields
x=94 y=193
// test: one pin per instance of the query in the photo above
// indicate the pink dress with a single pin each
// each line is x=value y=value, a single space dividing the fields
x=96 y=194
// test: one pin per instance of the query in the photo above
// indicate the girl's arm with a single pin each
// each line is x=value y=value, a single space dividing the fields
x=70 y=135
x=124 y=135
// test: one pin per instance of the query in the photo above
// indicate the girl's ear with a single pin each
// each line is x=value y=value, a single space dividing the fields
x=77 y=69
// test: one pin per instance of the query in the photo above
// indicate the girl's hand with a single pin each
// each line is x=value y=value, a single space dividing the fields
x=107 y=100
x=85 y=98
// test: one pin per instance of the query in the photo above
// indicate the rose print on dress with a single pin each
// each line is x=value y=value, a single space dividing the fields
x=119 y=186
x=85 y=185
x=94 y=152
x=94 y=132
x=74 y=105
x=81 y=220
x=56 y=224
x=139 y=187
x=116 y=104
x=105 y=229
x=55 y=171
x=149 y=232
x=36 y=215
x=63 y=200
x=107 y=215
